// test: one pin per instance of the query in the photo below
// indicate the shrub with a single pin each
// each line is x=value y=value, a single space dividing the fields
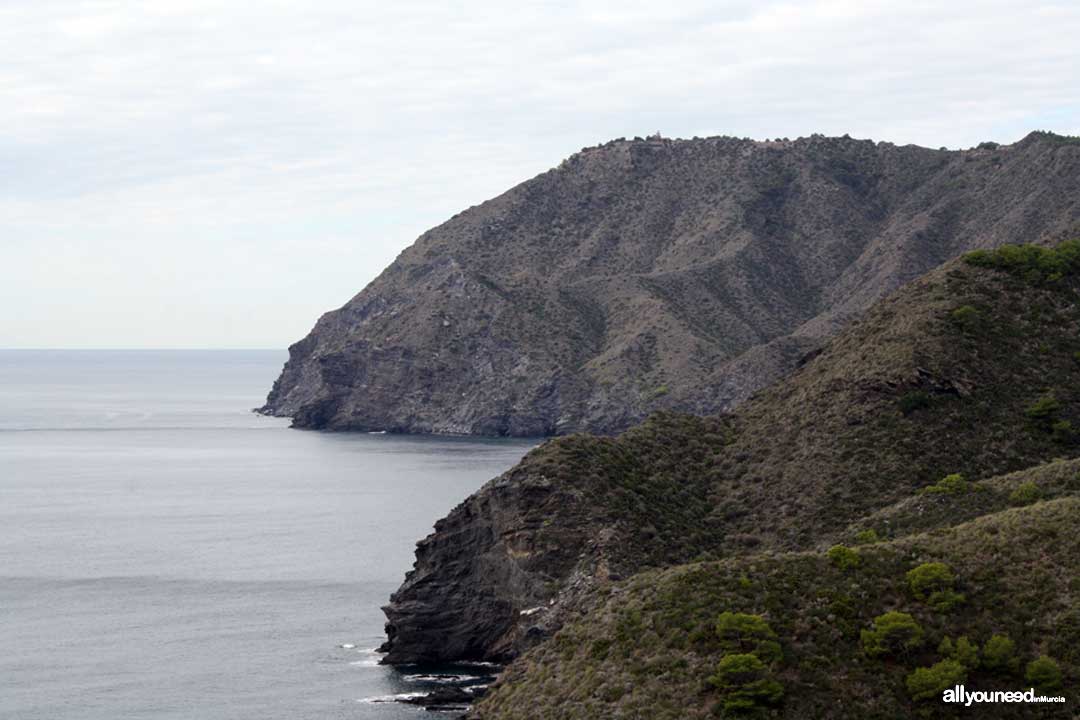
x=747 y=634
x=946 y=648
x=1044 y=411
x=843 y=557
x=867 y=537
x=909 y=402
x=927 y=683
x=745 y=683
x=1025 y=493
x=1034 y=263
x=1062 y=432
x=930 y=578
x=962 y=651
x=945 y=600
x=954 y=484
x=894 y=633
x=1044 y=674
x=999 y=654
x=966 y=317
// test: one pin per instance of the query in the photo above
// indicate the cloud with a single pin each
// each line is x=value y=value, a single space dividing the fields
x=238 y=168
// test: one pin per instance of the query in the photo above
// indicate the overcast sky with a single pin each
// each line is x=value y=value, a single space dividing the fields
x=218 y=174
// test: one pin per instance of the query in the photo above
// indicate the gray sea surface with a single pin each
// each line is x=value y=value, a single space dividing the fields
x=166 y=553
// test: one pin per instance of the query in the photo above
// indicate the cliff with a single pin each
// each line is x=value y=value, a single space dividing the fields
x=657 y=274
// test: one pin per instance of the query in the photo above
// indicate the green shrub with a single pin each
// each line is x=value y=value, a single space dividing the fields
x=894 y=633
x=946 y=648
x=1062 y=432
x=954 y=484
x=745 y=683
x=1025 y=493
x=927 y=683
x=599 y=649
x=962 y=651
x=747 y=634
x=930 y=578
x=1076 y=357
x=999 y=654
x=909 y=402
x=1033 y=263
x=967 y=318
x=945 y=600
x=1044 y=674
x=867 y=537
x=843 y=557
x=1044 y=411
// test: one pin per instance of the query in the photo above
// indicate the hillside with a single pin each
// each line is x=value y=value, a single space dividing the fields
x=656 y=274
x=656 y=646
x=971 y=370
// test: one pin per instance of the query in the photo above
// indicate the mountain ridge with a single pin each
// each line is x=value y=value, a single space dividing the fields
x=657 y=275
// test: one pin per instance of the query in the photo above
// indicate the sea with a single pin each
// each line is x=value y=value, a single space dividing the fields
x=167 y=553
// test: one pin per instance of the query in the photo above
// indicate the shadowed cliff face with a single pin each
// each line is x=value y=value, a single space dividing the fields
x=646 y=275
x=500 y=571
x=939 y=378
x=487 y=574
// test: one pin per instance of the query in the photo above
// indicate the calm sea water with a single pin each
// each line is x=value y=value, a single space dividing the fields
x=165 y=553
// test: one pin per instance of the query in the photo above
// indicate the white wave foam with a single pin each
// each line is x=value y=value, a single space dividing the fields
x=390 y=698
x=444 y=678
x=371 y=657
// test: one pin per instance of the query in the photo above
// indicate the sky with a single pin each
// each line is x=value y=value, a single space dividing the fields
x=218 y=174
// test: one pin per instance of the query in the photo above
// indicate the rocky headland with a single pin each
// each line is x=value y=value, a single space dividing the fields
x=645 y=275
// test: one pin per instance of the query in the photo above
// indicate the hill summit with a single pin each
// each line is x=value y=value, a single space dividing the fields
x=657 y=274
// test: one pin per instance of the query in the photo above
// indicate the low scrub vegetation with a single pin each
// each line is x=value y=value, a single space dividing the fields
x=843 y=557
x=927 y=683
x=1044 y=673
x=894 y=633
x=954 y=484
x=999 y=654
x=731 y=639
x=1034 y=263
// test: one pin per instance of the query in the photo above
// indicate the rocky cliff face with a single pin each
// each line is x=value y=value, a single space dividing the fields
x=480 y=585
x=939 y=378
x=657 y=274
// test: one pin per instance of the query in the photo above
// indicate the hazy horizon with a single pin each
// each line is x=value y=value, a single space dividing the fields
x=193 y=175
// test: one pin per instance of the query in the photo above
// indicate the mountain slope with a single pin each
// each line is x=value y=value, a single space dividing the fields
x=657 y=274
x=651 y=647
x=973 y=369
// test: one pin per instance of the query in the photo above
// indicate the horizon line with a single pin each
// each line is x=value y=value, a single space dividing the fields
x=143 y=349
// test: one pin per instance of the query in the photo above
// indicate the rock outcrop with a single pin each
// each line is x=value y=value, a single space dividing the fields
x=484 y=583
x=657 y=274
